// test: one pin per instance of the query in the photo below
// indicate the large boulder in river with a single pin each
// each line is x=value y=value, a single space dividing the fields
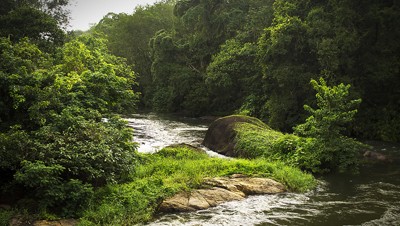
x=220 y=190
x=225 y=134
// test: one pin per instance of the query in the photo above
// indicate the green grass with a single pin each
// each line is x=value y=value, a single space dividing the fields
x=173 y=170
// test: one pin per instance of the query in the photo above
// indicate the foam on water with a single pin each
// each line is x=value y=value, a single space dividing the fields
x=153 y=133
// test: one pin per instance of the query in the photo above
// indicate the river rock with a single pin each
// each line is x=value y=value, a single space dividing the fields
x=220 y=190
x=376 y=156
x=247 y=185
x=179 y=201
x=220 y=136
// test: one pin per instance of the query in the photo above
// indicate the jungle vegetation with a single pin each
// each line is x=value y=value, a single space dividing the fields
x=63 y=144
x=258 y=56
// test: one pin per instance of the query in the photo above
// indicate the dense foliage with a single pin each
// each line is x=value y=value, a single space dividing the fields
x=318 y=144
x=128 y=36
x=40 y=20
x=58 y=137
x=59 y=93
x=257 y=57
x=337 y=41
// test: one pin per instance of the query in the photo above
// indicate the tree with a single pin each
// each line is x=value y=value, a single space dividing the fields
x=201 y=28
x=129 y=36
x=326 y=124
x=176 y=87
x=340 y=41
x=376 y=72
x=41 y=21
x=53 y=8
x=230 y=75
x=233 y=75
x=59 y=135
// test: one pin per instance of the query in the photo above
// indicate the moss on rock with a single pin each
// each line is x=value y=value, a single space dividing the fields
x=240 y=136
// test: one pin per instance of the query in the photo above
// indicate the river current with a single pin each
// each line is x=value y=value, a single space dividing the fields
x=369 y=198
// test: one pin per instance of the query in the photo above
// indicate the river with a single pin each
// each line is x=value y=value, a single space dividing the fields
x=369 y=198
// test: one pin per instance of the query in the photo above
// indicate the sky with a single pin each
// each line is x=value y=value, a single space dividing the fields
x=85 y=13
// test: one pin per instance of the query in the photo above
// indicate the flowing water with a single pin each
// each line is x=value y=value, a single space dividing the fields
x=154 y=132
x=369 y=198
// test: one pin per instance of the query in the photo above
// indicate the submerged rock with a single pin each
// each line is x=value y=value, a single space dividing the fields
x=376 y=156
x=220 y=190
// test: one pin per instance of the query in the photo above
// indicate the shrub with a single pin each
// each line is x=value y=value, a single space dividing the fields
x=67 y=198
x=295 y=151
x=254 y=141
x=91 y=150
x=326 y=123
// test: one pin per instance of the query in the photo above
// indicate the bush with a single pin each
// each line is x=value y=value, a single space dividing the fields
x=67 y=198
x=254 y=141
x=326 y=124
x=295 y=151
x=91 y=150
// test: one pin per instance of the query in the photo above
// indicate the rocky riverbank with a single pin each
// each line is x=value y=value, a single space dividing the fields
x=219 y=190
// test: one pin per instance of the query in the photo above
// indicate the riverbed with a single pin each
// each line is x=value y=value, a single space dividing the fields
x=371 y=197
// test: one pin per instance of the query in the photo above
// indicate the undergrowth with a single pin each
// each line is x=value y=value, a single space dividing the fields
x=254 y=141
x=5 y=217
x=312 y=154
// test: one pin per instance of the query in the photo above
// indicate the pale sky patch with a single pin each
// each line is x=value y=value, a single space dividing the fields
x=85 y=13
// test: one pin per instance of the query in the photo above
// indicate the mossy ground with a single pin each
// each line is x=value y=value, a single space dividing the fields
x=254 y=140
x=176 y=169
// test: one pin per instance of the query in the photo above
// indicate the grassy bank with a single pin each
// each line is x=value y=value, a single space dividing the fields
x=177 y=169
